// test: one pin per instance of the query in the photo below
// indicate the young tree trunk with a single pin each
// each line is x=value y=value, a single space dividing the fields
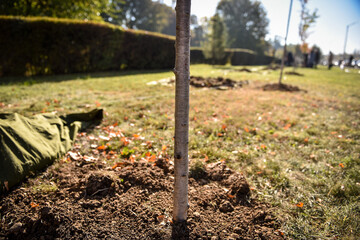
x=182 y=74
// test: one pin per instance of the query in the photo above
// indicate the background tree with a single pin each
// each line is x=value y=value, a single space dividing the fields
x=79 y=9
x=246 y=23
x=214 y=46
x=143 y=14
x=197 y=31
x=182 y=75
x=307 y=19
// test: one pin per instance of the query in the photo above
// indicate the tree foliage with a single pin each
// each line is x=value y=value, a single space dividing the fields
x=246 y=23
x=143 y=14
x=307 y=20
x=214 y=47
x=79 y=9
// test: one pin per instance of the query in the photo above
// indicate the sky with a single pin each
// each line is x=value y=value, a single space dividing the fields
x=328 y=32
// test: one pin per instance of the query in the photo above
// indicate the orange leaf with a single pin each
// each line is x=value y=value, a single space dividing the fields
x=97 y=104
x=56 y=101
x=47 y=103
x=148 y=154
x=306 y=140
x=196 y=110
x=300 y=204
x=195 y=118
x=118 y=164
x=206 y=158
x=161 y=218
x=136 y=135
x=230 y=196
x=223 y=127
x=333 y=133
x=263 y=146
x=111 y=153
x=152 y=158
x=220 y=134
x=115 y=124
x=287 y=126
x=341 y=165
x=102 y=147
x=246 y=129
x=273 y=153
x=34 y=205
x=163 y=148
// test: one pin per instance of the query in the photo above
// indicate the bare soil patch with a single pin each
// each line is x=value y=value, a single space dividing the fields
x=294 y=73
x=281 y=87
x=218 y=83
x=133 y=201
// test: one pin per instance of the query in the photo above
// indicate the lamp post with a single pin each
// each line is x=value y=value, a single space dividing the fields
x=346 y=36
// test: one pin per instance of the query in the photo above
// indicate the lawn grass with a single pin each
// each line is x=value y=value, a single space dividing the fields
x=299 y=151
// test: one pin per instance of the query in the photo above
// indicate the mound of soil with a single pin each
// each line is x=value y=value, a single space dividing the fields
x=133 y=201
x=244 y=70
x=272 y=67
x=281 y=87
x=294 y=73
x=219 y=83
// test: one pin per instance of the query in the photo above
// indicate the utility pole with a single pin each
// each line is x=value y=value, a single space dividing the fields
x=346 y=37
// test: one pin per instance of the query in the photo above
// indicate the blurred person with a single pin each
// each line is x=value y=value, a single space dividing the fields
x=330 y=60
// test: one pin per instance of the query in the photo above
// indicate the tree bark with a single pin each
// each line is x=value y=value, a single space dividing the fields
x=182 y=75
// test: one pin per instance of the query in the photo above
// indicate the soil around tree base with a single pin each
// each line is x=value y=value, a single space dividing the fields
x=133 y=201
x=281 y=87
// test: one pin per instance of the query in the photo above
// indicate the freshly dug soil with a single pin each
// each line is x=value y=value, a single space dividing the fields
x=244 y=70
x=294 y=73
x=217 y=83
x=272 y=67
x=281 y=87
x=85 y=199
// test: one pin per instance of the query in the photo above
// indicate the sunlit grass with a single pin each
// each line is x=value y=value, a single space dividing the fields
x=300 y=147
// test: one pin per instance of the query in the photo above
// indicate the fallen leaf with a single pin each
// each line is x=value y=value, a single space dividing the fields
x=33 y=205
x=56 y=101
x=163 y=148
x=161 y=218
x=47 y=103
x=220 y=134
x=341 y=165
x=152 y=158
x=97 y=104
x=230 y=196
x=206 y=158
x=273 y=153
x=223 y=127
x=306 y=140
x=300 y=204
x=263 y=146
x=287 y=126
x=102 y=147
x=148 y=154
x=136 y=135
x=119 y=164
x=246 y=129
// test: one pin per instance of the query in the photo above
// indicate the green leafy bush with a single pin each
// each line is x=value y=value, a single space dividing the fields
x=41 y=46
x=235 y=56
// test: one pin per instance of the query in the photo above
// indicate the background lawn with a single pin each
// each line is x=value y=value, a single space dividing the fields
x=299 y=151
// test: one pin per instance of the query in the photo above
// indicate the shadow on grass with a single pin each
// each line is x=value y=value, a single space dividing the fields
x=66 y=77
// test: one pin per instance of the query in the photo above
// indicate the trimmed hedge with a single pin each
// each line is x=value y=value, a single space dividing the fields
x=40 y=46
x=235 y=56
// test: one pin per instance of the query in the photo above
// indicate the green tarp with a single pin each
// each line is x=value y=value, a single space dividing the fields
x=30 y=144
